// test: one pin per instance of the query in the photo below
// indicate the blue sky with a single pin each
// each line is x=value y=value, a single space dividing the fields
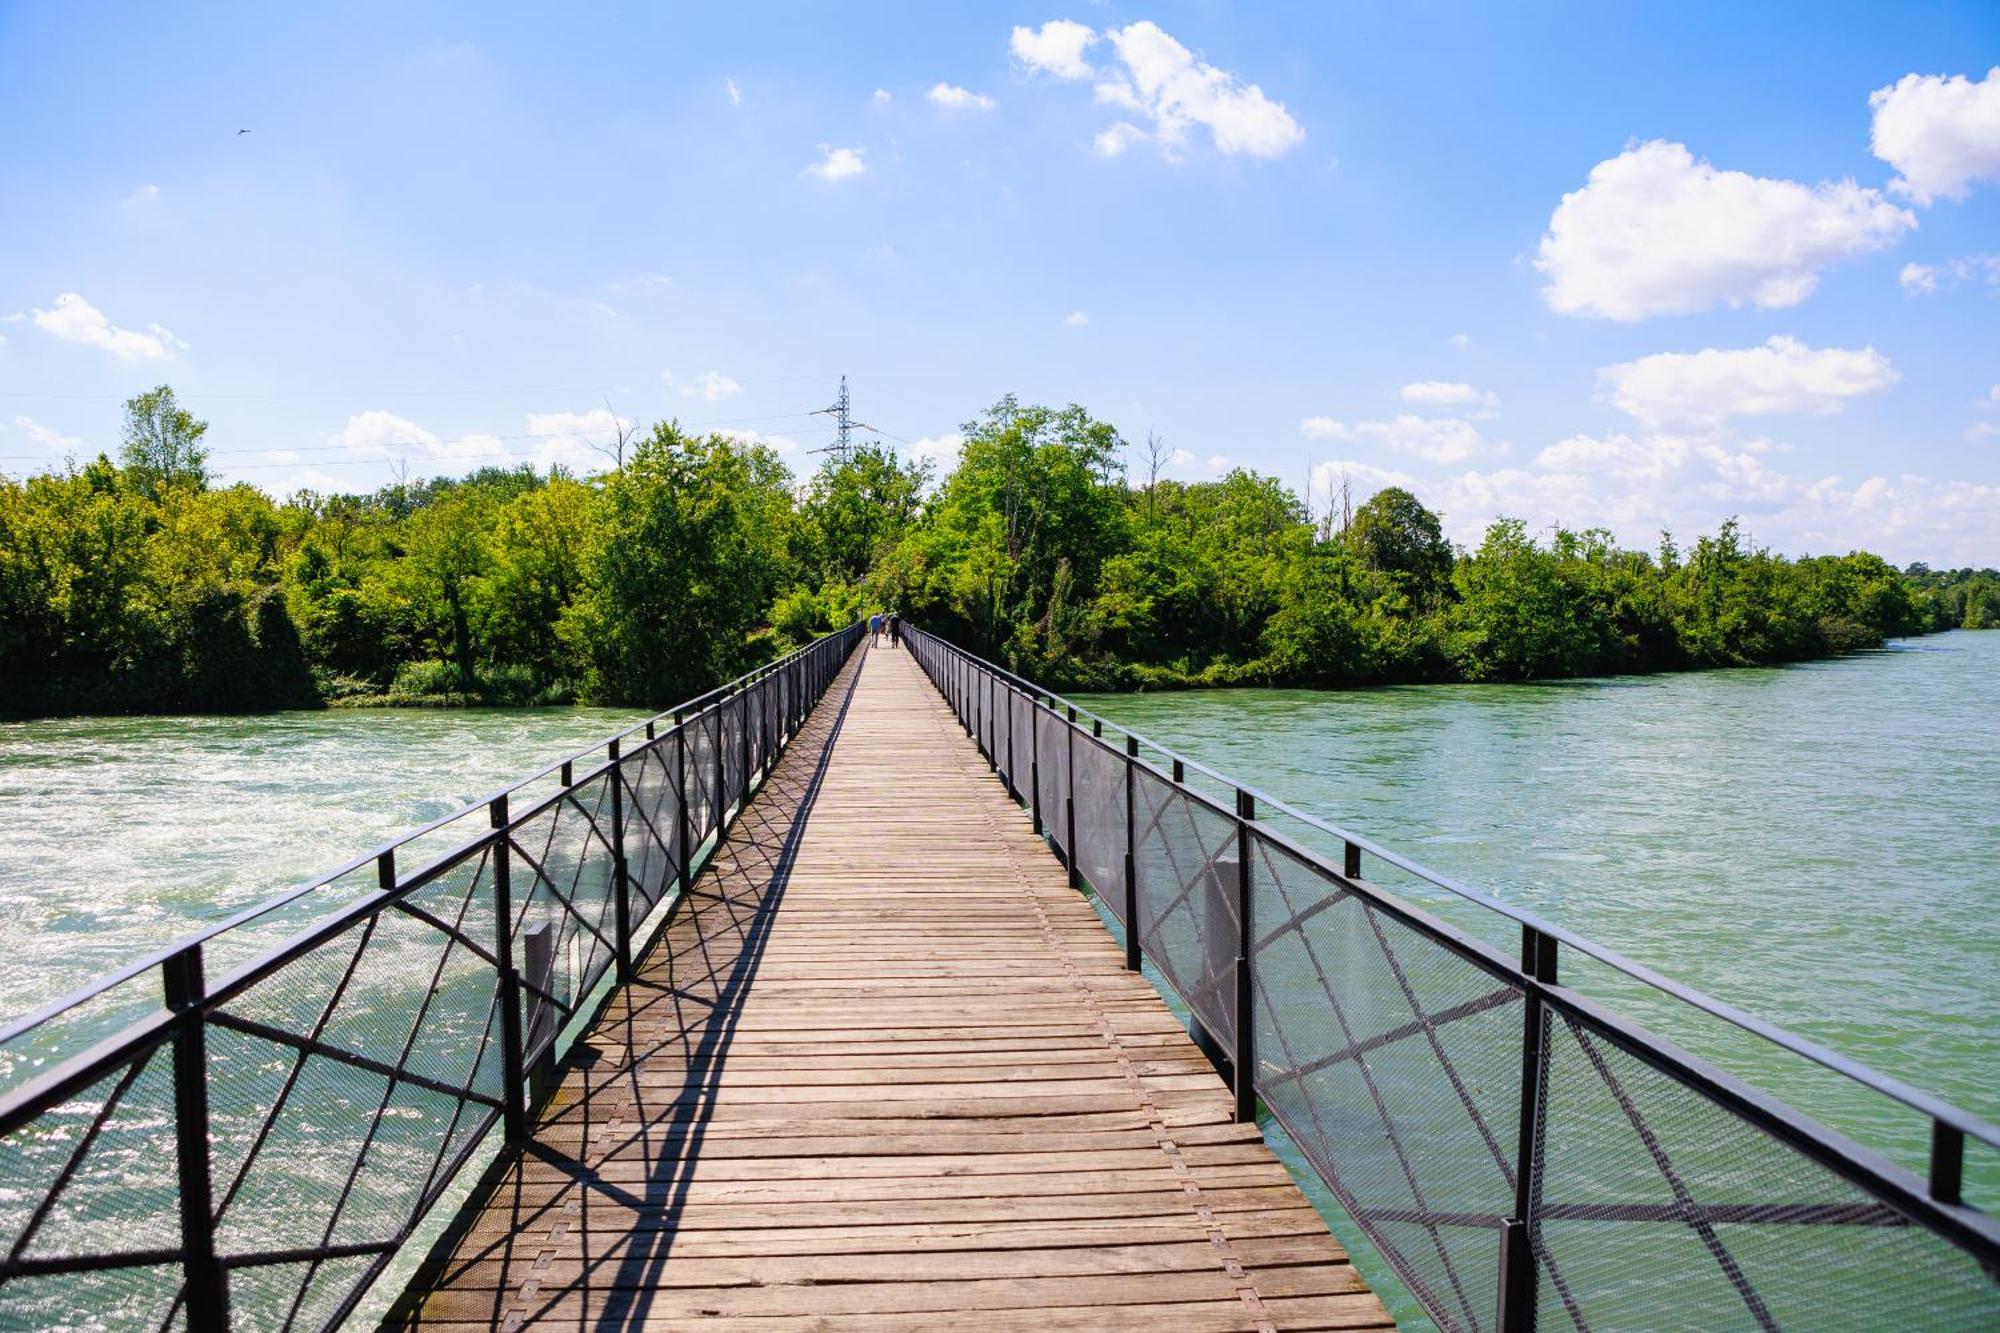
x=1591 y=264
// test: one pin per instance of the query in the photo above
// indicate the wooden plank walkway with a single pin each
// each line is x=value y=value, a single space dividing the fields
x=885 y=1070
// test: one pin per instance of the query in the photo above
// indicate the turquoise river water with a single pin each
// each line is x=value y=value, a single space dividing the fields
x=1817 y=844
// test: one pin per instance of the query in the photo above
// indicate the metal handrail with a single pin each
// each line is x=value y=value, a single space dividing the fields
x=595 y=906
x=1928 y=1104
x=1195 y=909
x=674 y=716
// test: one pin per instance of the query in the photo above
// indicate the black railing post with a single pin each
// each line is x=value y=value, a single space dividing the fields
x=1517 y=1235
x=207 y=1280
x=1517 y=1277
x=1947 y=1163
x=743 y=739
x=1180 y=771
x=1069 y=799
x=1350 y=860
x=621 y=872
x=1245 y=1061
x=514 y=1111
x=1132 y=957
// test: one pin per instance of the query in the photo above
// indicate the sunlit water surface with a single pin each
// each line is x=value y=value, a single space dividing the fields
x=1818 y=844
x=118 y=835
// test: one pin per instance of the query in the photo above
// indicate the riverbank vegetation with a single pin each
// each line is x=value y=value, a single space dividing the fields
x=137 y=585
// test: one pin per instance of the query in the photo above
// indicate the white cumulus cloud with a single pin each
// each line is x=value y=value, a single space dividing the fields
x=940 y=450
x=1918 y=279
x=1654 y=231
x=959 y=99
x=1057 y=48
x=1077 y=319
x=838 y=164
x=1435 y=439
x=714 y=386
x=1782 y=377
x=75 y=320
x=382 y=434
x=1163 y=81
x=1941 y=134
x=735 y=93
x=378 y=433
x=881 y=96
x=1458 y=396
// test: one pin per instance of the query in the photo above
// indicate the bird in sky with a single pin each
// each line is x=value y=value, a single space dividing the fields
x=242 y=131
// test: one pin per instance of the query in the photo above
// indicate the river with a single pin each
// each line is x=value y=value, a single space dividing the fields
x=1819 y=844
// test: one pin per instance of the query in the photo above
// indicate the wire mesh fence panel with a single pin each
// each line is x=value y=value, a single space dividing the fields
x=1661 y=1209
x=1054 y=743
x=286 y=1296
x=1100 y=821
x=136 y=1299
x=345 y=1085
x=95 y=1175
x=1184 y=862
x=652 y=823
x=1394 y=1047
x=351 y=1048
x=1395 y=1064
x=34 y=1049
x=729 y=721
x=1021 y=734
x=989 y=716
x=698 y=775
x=564 y=882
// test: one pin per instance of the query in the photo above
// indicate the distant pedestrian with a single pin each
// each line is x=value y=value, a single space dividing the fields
x=875 y=627
x=895 y=628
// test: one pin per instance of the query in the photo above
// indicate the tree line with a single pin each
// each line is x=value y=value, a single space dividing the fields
x=137 y=585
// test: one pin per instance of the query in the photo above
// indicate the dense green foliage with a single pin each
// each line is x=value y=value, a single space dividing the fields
x=138 y=586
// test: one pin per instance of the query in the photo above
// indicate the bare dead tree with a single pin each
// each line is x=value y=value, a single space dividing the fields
x=622 y=433
x=1156 y=456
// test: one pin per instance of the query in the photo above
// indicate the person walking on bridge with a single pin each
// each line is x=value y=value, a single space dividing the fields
x=895 y=628
x=875 y=627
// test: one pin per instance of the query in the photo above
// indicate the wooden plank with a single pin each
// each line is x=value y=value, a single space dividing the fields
x=886 y=1070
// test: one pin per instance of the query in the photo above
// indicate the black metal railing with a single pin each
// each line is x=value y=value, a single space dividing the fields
x=243 y=1129
x=1522 y=1155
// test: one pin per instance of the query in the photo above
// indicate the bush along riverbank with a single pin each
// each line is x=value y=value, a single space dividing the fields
x=140 y=586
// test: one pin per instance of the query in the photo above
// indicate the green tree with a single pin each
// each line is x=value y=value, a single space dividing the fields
x=1396 y=535
x=162 y=446
x=448 y=559
x=682 y=569
x=1038 y=496
x=854 y=509
x=540 y=542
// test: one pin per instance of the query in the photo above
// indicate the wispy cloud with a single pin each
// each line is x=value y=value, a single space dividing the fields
x=959 y=99
x=76 y=320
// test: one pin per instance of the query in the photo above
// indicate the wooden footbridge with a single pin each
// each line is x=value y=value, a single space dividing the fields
x=887 y=1070
x=833 y=999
